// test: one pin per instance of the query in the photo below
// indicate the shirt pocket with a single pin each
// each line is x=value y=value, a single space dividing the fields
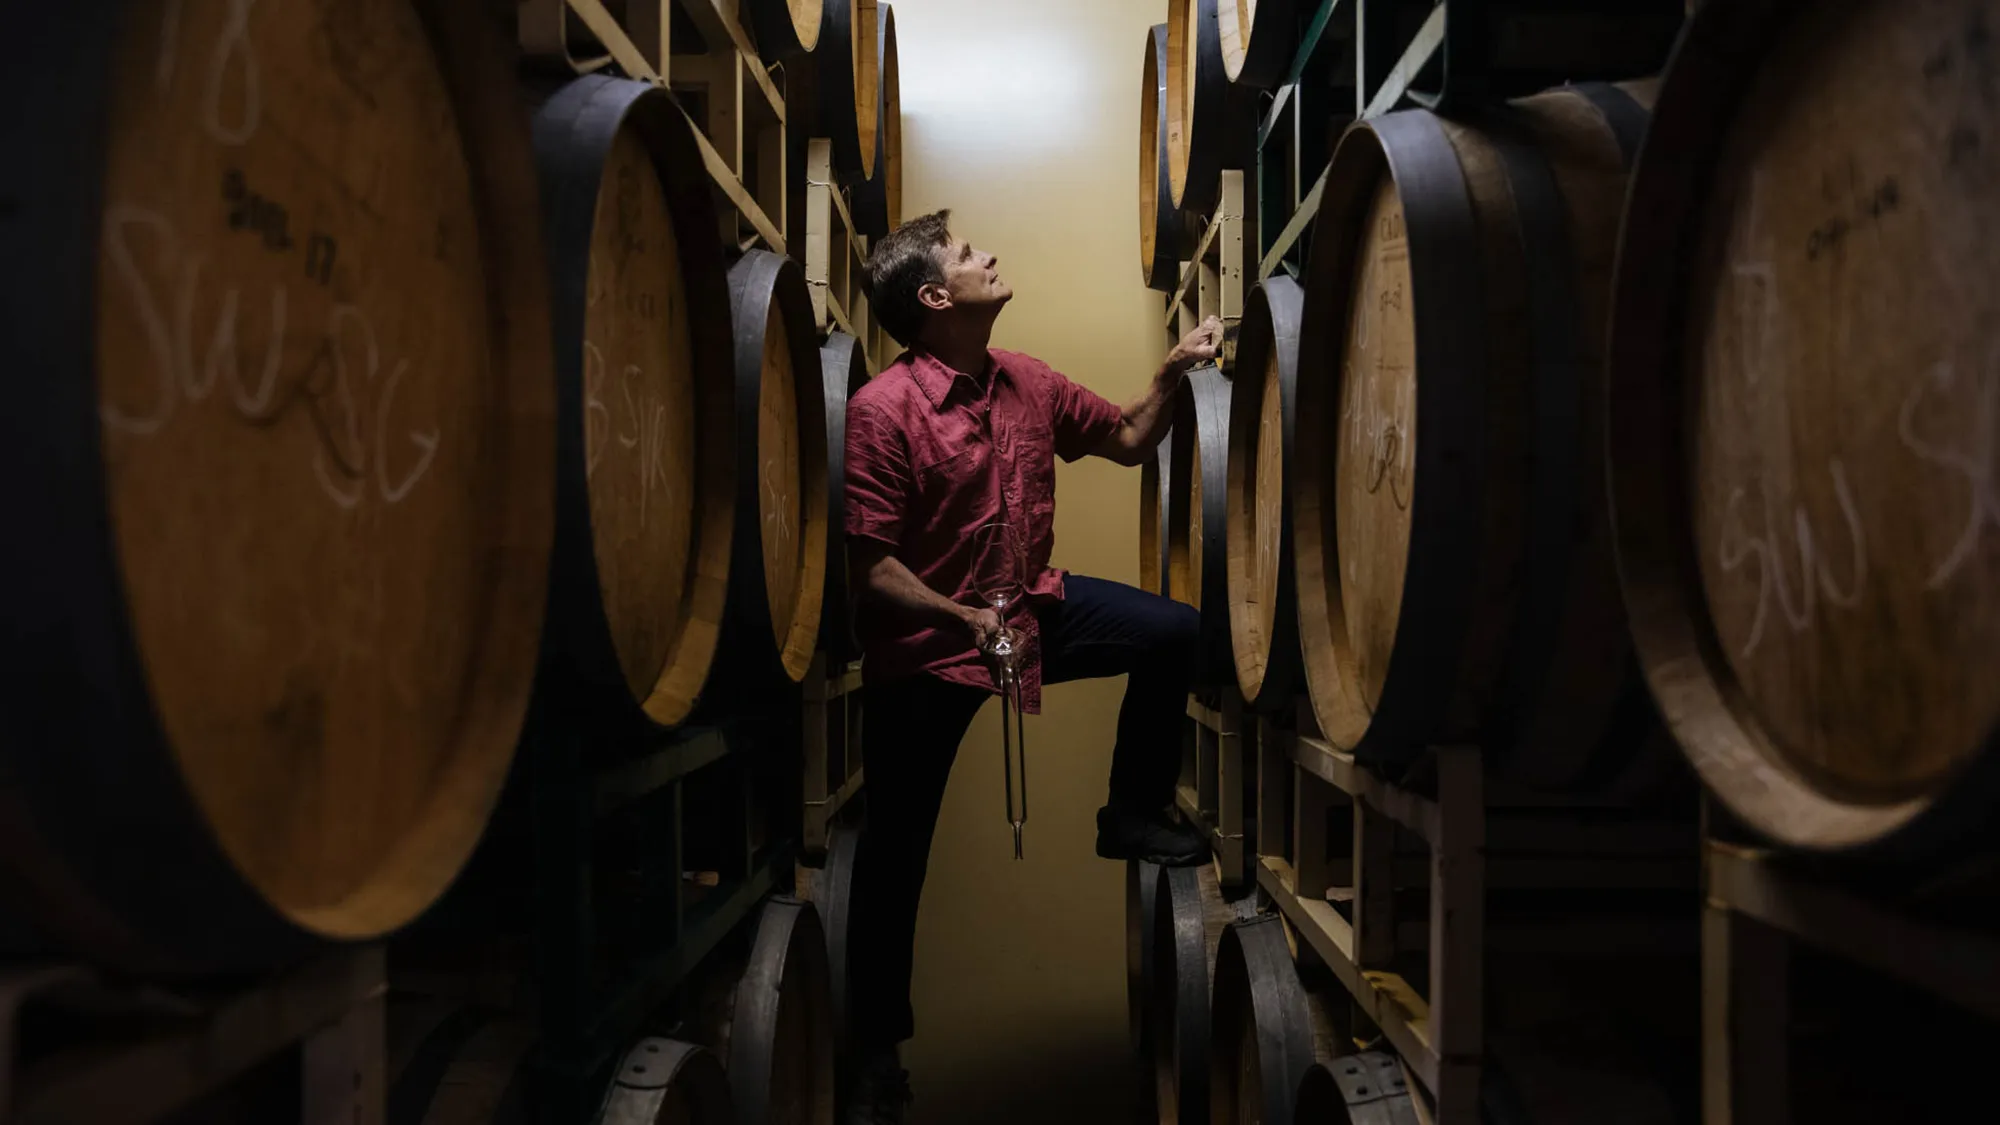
x=951 y=490
x=1035 y=464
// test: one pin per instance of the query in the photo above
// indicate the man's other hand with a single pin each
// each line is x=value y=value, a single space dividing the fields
x=985 y=625
x=1199 y=346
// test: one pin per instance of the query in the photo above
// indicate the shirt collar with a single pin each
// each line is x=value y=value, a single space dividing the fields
x=936 y=379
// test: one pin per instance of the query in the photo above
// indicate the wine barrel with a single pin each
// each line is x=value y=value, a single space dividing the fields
x=455 y=1064
x=843 y=370
x=1262 y=1033
x=768 y=1016
x=1163 y=228
x=1455 y=579
x=1142 y=884
x=847 y=85
x=1257 y=38
x=1363 y=1089
x=783 y=496
x=667 y=1082
x=1198 y=106
x=878 y=198
x=785 y=29
x=1800 y=464
x=644 y=399
x=1153 y=477
x=280 y=432
x=1190 y=915
x=830 y=889
x=1197 y=564
x=1263 y=418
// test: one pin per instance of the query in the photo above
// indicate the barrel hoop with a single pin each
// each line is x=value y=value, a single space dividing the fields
x=1282 y=675
x=1276 y=1006
x=834 y=905
x=1163 y=272
x=650 y=1070
x=1622 y=112
x=843 y=369
x=839 y=101
x=1372 y=1086
x=1210 y=389
x=870 y=194
x=1201 y=183
x=1182 y=1048
x=789 y=941
x=1440 y=578
x=1142 y=906
x=1556 y=426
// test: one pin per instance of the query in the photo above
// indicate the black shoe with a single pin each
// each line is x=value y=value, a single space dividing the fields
x=881 y=1093
x=1122 y=834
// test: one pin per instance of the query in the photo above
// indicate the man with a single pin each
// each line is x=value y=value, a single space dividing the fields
x=952 y=437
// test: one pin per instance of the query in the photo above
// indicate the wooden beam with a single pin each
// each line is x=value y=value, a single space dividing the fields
x=627 y=54
x=731 y=187
x=1340 y=770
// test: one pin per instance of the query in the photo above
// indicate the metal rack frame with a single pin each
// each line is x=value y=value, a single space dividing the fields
x=201 y=1039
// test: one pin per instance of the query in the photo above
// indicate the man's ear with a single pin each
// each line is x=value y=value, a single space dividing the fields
x=934 y=296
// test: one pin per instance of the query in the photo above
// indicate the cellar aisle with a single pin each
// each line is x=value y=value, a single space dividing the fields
x=1020 y=966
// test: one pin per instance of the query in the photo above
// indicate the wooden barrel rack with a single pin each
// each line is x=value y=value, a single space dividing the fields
x=1197 y=554
x=646 y=456
x=270 y=655
x=1843 y=708
x=1488 y=609
x=1263 y=419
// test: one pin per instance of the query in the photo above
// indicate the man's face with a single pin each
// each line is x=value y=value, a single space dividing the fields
x=972 y=277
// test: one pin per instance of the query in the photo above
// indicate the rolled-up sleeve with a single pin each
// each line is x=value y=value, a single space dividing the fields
x=1082 y=418
x=878 y=475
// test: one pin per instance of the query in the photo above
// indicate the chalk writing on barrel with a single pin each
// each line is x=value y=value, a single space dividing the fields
x=1972 y=461
x=1738 y=546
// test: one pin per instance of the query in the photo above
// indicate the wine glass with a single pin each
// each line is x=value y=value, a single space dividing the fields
x=998 y=576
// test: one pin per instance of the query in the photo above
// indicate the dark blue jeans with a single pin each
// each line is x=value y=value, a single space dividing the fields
x=910 y=735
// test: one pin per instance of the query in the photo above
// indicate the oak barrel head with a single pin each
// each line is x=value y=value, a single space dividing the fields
x=1802 y=430
x=1257 y=38
x=291 y=499
x=785 y=29
x=646 y=460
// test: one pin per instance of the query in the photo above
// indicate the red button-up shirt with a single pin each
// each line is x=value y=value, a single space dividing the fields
x=933 y=455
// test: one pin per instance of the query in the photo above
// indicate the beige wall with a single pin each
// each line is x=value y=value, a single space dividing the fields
x=1020 y=115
